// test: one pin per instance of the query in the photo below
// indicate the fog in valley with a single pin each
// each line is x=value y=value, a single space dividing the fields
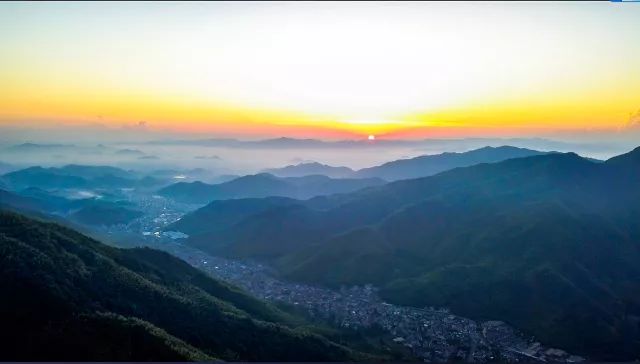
x=220 y=156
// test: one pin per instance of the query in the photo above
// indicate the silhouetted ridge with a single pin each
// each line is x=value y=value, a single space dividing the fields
x=428 y=165
x=265 y=185
x=632 y=158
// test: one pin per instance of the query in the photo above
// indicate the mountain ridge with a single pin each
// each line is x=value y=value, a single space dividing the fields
x=416 y=167
x=264 y=185
x=541 y=224
x=62 y=289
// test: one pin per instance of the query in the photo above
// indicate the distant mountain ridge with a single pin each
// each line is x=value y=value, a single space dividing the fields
x=35 y=146
x=221 y=214
x=421 y=166
x=6 y=168
x=264 y=185
x=311 y=168
x=89 y=211
x=429 y=165
x=75 y=176
x=127 y=151
x=430 y=144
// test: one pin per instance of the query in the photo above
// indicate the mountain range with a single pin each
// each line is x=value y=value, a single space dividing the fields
x=422 y=166
x=76 y=176
x=87 y=211
x=264 y=185
x=548 y=243
x=311 y=168
x=426 y=144
x=428 y=165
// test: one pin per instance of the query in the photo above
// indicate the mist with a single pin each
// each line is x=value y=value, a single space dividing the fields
x=144 y=150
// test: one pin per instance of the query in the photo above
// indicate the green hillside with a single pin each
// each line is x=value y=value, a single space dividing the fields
x=68 y=297
x=548 y=243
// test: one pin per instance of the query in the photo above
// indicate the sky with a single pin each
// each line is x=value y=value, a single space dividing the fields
x=322 y=69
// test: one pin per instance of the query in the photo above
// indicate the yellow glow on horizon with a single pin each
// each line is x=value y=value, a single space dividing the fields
x=340 y=70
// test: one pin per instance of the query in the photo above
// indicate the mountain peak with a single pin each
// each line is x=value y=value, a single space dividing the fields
x=632 y=157
x=310 y=164
x=311 y=168
x=428 y=165
x=264 y=175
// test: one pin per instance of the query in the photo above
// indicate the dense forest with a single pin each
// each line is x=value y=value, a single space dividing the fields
x=548 y=243
x=67 y=297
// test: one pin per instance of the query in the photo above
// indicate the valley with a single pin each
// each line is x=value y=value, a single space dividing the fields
x=484 y=276
x=431 y=334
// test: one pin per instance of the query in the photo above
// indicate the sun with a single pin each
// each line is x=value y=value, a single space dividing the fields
x=371 y=137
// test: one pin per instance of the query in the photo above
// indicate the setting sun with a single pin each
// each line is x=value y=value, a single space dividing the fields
x=410 y=74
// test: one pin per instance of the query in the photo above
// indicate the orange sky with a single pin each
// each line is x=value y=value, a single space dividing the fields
x=401 y=70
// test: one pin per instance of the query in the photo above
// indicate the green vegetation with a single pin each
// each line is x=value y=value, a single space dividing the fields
x=548 y=243
x=224 y=213
x=104 y=214
x=68 y=297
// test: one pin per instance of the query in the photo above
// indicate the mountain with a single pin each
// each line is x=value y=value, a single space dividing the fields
x=51 y=149
x=34 y=147
x=129 y=152
x=89 y=211
x=77 y=176
x=43 y=178
x=67 y=297
x=427 y=145
x=282 y=142
x=220 y=214
x=428 y=165
x=548 y=243
x=312 y=168
x=104 y=214
x=19 y=202
x=422 y=166
x=248 y=186
x=6 y=167
x=268 y=234
x=264 y=185
x=69 y=176
x=277 y=143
